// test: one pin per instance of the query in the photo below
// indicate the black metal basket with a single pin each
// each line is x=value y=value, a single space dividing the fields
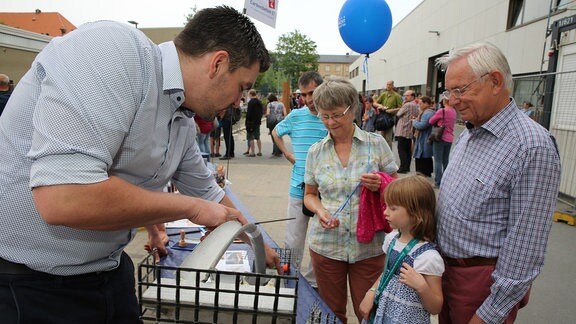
x=214 y=296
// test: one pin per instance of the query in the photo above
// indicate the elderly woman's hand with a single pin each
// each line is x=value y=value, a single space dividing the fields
x=371 y=181
x=326 y=219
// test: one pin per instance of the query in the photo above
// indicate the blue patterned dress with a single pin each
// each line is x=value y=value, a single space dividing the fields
x=399 y=303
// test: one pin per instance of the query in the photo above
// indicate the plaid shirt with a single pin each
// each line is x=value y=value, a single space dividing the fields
x=404 y=126
x=496 y=201
x=335 y=183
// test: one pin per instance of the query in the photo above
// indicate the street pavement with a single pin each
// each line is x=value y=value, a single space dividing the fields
x=261 y=184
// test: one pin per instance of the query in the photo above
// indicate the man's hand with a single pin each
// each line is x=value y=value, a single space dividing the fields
x=157 y=240
x=212 y=214
x=273 y=259
x=290 y=157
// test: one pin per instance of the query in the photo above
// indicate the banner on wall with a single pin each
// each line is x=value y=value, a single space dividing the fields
x=262 y=10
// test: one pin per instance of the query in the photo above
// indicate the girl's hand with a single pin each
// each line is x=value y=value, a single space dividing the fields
x=411 y=278
x=366 y=305
x=326 y=219
x=371 y=181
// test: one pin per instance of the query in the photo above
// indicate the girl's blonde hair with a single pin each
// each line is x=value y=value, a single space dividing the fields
x=415 y=194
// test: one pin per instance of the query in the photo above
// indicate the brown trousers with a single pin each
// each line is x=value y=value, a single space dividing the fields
x=332 y=277
x=465 y=289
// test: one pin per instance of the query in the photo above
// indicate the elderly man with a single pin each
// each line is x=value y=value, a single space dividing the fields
x=101 y=122
x=497 y=195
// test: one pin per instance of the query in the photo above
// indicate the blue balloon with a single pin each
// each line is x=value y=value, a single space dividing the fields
x=365 y=25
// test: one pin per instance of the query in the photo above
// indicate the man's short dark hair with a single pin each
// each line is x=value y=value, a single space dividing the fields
x=307 y=77
x=224 y=28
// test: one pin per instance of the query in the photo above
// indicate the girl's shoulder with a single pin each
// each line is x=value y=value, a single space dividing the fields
x=428 y=260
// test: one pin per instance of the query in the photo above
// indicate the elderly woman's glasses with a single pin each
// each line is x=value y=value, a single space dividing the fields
x=335 y=116
x=458 y=92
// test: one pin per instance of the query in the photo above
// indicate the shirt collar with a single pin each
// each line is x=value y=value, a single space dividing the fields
x=358 y=134
x=497 y=124
x=172 y=82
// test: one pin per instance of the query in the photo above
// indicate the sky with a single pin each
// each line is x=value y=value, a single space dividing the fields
x=317 y=19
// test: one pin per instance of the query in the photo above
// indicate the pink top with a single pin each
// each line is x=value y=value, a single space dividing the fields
x=448 y=122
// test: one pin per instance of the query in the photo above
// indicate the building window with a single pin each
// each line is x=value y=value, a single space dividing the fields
x=327 y=68
x=338 y=68
x=525 y=11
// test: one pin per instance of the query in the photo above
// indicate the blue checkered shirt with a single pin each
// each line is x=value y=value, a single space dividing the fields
x=496 y=201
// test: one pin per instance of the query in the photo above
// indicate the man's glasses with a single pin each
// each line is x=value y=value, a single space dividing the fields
x=458 y=92
x=335 y=116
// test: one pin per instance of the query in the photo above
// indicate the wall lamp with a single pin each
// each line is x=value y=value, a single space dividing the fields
x=133 y=23
x=434 y=32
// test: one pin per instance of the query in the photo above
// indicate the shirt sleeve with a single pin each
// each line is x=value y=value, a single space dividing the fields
x=194 y=178
x=284 y=127
x=387 y=239
x=423 y=122
x=436 y=117
x=429 y=263
x=96 y=98
x=521 y=258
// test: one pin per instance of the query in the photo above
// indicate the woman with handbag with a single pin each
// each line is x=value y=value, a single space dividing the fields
x=445 y=117
x=423 y=129
x=275 y=112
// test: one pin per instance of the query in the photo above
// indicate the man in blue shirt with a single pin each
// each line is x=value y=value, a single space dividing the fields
x=104 y=120
x=304 y=128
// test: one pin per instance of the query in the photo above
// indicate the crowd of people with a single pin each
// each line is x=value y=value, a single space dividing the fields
x=80 y=171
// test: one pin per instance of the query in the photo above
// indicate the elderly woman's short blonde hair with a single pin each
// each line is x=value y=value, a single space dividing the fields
x=335 y=92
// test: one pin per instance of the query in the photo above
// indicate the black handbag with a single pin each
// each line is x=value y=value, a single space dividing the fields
x=437 y=131
x=384 y=121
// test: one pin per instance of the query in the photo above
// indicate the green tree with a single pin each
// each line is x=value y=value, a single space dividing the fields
x=295 y=53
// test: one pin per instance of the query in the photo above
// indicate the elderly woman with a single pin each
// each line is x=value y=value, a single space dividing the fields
x=336 y=167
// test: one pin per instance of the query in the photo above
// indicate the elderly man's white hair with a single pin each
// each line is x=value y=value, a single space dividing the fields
x=482 y=58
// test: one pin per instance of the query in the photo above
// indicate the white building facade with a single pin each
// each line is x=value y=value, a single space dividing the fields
x=537 y=36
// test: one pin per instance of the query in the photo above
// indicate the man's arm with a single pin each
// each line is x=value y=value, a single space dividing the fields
x=280 y=143
x=115 y=204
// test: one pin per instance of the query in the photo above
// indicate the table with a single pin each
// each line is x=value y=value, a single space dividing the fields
x=309 y=306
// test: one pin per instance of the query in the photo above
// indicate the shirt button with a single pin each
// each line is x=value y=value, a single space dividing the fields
x=178 y=98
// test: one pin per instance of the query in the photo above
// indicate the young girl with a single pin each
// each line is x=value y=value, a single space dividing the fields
x=414 y=290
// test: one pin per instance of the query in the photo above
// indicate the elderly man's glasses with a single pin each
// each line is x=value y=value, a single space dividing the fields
x=458 y=92
x=335 y=116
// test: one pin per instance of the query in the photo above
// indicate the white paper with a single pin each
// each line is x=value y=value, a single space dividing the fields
x=236 y=261
x=182 y=223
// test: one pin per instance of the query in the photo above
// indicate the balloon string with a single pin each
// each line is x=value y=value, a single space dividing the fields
x=365 y=68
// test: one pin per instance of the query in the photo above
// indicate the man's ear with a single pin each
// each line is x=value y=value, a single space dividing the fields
x=496 y=81
x=218 y=63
